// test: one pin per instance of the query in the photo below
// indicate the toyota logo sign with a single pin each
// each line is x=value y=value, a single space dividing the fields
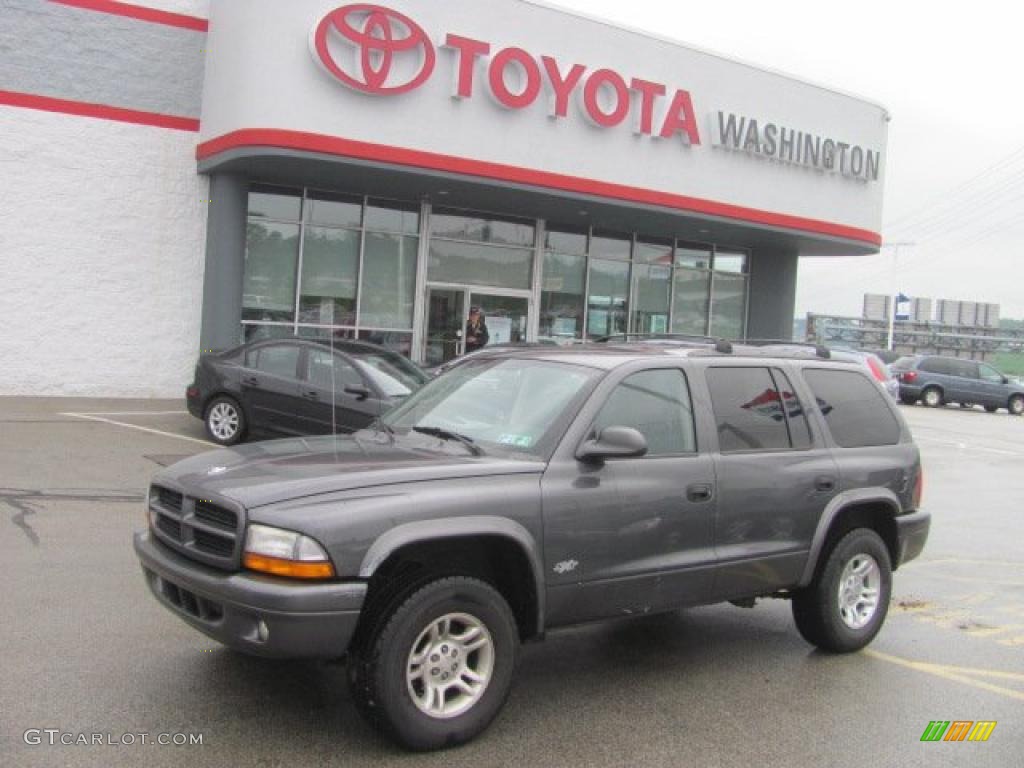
x=386 y=51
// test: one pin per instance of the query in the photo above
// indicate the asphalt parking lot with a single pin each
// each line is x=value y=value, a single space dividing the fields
x=87 y=650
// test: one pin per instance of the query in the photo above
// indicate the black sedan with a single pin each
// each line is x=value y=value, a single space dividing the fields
x=298 y=387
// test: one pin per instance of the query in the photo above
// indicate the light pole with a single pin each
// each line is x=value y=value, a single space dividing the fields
x=893 y=289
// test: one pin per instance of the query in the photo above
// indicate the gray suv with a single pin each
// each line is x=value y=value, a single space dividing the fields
x=937 y=380
x=537 y=489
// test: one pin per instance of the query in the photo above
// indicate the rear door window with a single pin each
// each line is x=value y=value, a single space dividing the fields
x=749 y=410
x=855 y=409
x=278 y=360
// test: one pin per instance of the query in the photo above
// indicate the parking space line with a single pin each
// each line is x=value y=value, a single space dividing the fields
x=160 y=432
x=133 y=413
x=967 y=446
x=956 y=674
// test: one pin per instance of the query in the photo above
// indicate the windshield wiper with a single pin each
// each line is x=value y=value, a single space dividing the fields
x=446 y=434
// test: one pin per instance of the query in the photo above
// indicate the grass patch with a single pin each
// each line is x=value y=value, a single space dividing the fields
x=1010 y=363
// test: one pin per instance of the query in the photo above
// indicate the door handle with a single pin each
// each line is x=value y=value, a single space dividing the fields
x=251 y=381
x=699 y=493
x=311 y=395
x=824 y=483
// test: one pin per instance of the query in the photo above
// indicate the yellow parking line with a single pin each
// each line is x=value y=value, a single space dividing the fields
x=956 y=674
x=140 y=429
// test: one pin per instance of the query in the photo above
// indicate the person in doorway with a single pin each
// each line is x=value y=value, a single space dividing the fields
x=476 y=331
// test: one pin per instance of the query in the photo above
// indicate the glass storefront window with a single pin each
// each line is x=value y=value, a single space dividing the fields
x=568 y=240
x=690 y=301
x=275 y=203
x=561 y=303
x=260 y=332
x=734 y=262
x=653 y=251
x=610 y=245
x=693 y=255
x=386 y=216
x=459 y=226
x=728 y=305
x=389 y=280
x=397 y=342
x=652 y=286
x=271 y=257
x=480 y=264
x=608 y=297
x=333 y=210
x=330 y=266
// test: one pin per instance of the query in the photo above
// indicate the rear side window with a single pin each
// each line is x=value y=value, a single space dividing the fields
x=751 y=410
x=657 y=403
x=936 y=365
x=855 y=410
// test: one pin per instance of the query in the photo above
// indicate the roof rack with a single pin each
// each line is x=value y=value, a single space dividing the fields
x=723 y=346
x=820 y=351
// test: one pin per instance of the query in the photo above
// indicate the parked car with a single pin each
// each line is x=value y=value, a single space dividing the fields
x=879 y=370
x=298 y=387
x=542 y=488
x=936 y=380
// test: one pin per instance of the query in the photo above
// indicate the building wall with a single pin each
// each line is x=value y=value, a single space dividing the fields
x=772 y=299
x=102 y=213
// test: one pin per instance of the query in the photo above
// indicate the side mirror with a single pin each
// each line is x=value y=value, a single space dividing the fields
x=613 y=443
x=358 y=393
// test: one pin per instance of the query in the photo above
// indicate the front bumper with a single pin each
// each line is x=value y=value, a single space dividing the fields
x=911 y=534
x=255 y=614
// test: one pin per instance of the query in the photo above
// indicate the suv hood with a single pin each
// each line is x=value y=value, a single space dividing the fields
x=266 y=473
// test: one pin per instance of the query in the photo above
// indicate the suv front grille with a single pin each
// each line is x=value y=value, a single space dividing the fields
x=170 y=499
x=199 y=529
x=216 y=515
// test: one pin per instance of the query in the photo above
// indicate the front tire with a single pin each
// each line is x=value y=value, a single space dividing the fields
x=932 y=397
x=225 y=421
x=437 y=671
x=845 y=606
x=1016 y=405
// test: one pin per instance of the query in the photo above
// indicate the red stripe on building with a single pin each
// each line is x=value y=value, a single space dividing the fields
x=141 y=13
x=331 y=145
x=100 y=111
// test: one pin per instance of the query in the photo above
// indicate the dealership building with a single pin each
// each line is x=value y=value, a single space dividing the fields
x=185 y=175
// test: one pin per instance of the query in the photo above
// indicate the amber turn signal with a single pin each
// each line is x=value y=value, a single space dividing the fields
x=291 y=569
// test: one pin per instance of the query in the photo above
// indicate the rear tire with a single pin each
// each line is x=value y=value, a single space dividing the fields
x=932 y=397
x=437 y=670
x=845 y=606
x=1016 y=405
x=225 y=421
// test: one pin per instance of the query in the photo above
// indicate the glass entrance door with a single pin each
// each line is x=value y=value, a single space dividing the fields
x=449 y=333
x=505 y=317
x=446 y=317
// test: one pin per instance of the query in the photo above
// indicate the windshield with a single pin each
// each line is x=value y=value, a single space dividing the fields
x=517 y=406
x=394 y=376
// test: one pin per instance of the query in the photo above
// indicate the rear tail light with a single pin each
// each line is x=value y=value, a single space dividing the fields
x=877 y=370
x=918 y=488
x=908 y=376
x=192 y=392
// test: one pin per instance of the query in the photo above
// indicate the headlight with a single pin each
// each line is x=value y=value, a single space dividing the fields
x=285 y=553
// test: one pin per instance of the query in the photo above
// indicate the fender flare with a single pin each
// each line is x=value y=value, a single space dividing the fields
x=458 y=527
x=832 y=511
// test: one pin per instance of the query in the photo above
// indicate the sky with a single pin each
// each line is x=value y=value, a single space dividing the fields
x=952 y=77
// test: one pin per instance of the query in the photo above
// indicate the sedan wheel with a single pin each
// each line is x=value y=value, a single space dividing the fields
x=225 y=423
x=1017 y=405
